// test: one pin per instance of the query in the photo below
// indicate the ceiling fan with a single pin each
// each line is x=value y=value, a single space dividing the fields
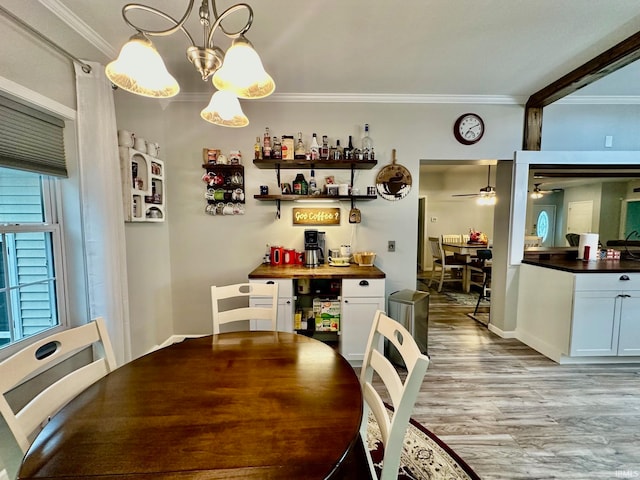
x=486 y=195
x=537 y=192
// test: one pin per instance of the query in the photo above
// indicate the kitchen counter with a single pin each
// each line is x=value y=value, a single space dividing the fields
x=579 y=266
x=266 y=270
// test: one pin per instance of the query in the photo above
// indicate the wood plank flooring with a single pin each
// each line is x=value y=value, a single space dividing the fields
x=511 y=413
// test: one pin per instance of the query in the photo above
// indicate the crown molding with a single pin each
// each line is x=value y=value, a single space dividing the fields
x=80 y=27
x=367 y=98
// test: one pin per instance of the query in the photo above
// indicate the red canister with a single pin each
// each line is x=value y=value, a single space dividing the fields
x=276 y=255
x=299 y=258
x=289 y=256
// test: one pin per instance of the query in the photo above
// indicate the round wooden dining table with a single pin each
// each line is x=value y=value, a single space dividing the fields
x=245 y=405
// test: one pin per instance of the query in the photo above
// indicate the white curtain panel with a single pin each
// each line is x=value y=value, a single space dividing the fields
x=102 y=211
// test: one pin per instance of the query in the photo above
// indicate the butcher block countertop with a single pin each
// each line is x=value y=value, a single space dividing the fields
x=323 y=271
x=578 y=266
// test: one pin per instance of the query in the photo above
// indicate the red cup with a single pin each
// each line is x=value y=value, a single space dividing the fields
x=276 y=255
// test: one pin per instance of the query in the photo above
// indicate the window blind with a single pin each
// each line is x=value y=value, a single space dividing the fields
x=31 y=140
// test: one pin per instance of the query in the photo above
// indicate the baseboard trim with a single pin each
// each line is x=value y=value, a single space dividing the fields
x=501 y=333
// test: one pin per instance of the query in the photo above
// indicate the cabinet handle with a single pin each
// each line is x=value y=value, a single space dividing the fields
x=624 y=277
x=364 y=283
x=270 y=282
x=346 y=301
x=288 y=302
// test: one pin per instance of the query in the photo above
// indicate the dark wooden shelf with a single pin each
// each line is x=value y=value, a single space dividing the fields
x=318 y=164
x=293 y=198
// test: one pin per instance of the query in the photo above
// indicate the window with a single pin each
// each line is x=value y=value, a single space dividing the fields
x=31 y=272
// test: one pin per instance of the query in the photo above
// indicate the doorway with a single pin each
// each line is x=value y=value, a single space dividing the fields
x=544 y=218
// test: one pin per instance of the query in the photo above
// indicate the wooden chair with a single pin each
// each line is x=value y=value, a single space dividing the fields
x=43 y=355
x=443 y=264
x=484 y=264
x=242 y=291
x=403 y=395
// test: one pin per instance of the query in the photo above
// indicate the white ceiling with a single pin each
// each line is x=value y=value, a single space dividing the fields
x=505 y=49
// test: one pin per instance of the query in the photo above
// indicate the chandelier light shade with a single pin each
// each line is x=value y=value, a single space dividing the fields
x=224 y=109
x=139 y=69
x=239 y=73
x=243 y=73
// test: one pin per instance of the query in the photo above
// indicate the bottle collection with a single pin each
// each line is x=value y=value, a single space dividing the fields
x=272 y=147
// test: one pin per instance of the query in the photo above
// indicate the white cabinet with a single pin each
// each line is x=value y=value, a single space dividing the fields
x=629 y=338
x=143 y=186
x=606 y=315
x=360 y=300
x=286 y=301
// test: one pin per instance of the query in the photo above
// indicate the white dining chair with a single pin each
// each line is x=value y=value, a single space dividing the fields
x=452 y=238
x=241 y=292
x=43 y=355
x=403 y=394
x=443 y=264
x=532 y=241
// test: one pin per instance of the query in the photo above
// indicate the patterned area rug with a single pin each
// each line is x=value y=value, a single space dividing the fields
x=424 y=456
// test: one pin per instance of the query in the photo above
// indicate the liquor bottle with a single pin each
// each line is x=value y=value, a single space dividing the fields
x=315 y=148
x=300 y=185
x=300 y=150
x=266 y=145
x=276 y=150
x=338 y=152
x=324 y=150
x=367 y=143
x=313 y=187
x=348 y=151
x=257 y=149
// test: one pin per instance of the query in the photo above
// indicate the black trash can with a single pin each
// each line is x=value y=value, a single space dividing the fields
x=410 y=308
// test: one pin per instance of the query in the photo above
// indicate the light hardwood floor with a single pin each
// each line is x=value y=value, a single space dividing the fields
x=511 y=413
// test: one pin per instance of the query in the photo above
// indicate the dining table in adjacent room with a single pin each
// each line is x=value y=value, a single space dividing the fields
x=242 y=405
x=467 y=250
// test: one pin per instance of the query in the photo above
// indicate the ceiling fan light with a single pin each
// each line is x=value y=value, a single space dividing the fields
x=242 y=72
x=224 y=110
x=139 y=69
x=536 y=195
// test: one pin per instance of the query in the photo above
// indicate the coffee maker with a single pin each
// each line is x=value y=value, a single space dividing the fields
x=313 y=248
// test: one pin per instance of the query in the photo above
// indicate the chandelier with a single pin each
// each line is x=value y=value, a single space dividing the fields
x=238 y=73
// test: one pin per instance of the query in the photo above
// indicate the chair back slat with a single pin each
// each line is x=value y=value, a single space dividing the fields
x=42 y=356
x=244 y=291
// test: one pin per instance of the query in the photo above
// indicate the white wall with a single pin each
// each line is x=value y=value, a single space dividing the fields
x=206 y=250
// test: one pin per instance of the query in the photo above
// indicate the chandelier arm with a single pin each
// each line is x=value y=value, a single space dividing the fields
x=226 y=13
x=178 y=24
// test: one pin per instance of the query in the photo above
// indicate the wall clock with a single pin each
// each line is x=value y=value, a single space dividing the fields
x=468 y=128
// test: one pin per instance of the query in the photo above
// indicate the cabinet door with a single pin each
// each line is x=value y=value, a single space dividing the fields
x=285 y=305
x=285 y=314
x=355 y=325
x=629 y=343
x=595 y=325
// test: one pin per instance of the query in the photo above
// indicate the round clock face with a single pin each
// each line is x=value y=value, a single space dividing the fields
x=468 y=128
